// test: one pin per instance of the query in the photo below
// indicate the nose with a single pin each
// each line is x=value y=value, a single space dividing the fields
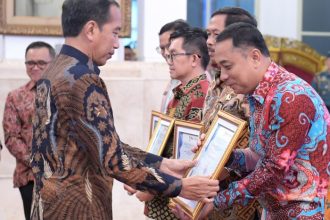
x=36 y=67
x=223 y=76
x=210 y=40
x=116 y=43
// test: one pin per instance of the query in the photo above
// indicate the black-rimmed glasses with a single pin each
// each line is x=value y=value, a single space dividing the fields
x=170 y=57
x=39 y=63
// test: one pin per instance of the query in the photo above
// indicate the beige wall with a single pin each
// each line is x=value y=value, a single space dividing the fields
x=134 y=88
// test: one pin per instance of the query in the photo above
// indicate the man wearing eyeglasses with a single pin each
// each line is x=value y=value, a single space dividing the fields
x=18 y=117
x=187 y=57
x=164 y=38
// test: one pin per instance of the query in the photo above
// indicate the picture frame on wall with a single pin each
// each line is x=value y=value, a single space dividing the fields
x=43 y=17
x=219 y=142
x=186 y=136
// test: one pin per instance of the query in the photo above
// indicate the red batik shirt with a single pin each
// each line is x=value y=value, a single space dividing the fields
x=187 y=103
x=17 y=126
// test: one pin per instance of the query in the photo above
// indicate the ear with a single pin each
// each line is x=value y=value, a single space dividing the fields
x=90 y=29
x=255 y=56
x=196 y=59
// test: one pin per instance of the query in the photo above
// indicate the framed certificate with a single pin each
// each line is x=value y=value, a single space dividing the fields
x=154 y=120
x=160 y=134
x=186 y=135
x=219 y=142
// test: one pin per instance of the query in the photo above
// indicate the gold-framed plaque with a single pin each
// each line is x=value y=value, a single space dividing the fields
x=186 y=136
x=220 y=141
x=160 y=134
x=155 y=116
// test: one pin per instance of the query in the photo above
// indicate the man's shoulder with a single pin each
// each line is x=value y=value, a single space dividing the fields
x=19 y=90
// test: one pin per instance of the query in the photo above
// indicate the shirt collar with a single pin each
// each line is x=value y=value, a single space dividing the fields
x=30 y=85
x=80 y=56
x=184 y=90
x=263 y=87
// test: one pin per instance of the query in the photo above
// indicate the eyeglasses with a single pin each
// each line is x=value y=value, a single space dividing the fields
x=39 y=63
x=170 y=57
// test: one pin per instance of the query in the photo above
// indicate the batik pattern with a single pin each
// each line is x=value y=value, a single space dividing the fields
x=188 y=100
x=76 y=149
x=187 y=105
x=17 y=126
x=289 y=130
x=222 y=97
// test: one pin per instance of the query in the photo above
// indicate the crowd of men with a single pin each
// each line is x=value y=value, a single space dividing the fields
x=60 y=126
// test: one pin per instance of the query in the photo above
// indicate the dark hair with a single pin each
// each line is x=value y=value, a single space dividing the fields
x=234 y=15
x=173 y=26
x=40 y=44
x=244 y=35
x=194 y=41
x=76 y=13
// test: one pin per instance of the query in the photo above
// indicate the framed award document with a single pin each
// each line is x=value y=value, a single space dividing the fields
x=153 y=122
x=219 y=142
x=186 y=135
x=161 y=131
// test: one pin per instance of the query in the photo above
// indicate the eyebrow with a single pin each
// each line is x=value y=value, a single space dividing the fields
x=223 y=62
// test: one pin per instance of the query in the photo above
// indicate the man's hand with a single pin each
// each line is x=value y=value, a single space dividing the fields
x=144 y=196
x=175 y=167
x=130 y=190
x=199 y=143
x=179 y=213
x=208 y=207
x=199 y=188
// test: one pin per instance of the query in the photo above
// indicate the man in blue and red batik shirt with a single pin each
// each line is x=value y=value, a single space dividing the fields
x=289 y=130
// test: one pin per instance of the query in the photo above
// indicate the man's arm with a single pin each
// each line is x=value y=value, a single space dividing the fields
x=287 y=134
x=117 y=161
x=12 y=128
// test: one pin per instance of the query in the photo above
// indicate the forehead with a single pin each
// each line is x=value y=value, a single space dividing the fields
x=176 y=44
x=115 y=16
x=38 y=53
x=165 y=37
x=217 y=23
x=224 y=50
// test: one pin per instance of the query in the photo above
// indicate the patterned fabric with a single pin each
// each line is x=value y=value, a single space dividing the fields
x=17 y=126
x=189 y=99
x=186 y=105
x=221 y=97
x=76 y=150
x=289 y=128
x=168 y=94
x=327 y=205
x=321 y=83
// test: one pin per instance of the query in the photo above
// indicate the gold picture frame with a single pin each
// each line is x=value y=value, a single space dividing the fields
x=220 y=140
x=160 y=134
x=155 y=116
x=186 y=136
x=47 y=26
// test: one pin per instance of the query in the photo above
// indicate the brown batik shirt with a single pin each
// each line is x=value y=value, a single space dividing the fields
x=76 y=150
